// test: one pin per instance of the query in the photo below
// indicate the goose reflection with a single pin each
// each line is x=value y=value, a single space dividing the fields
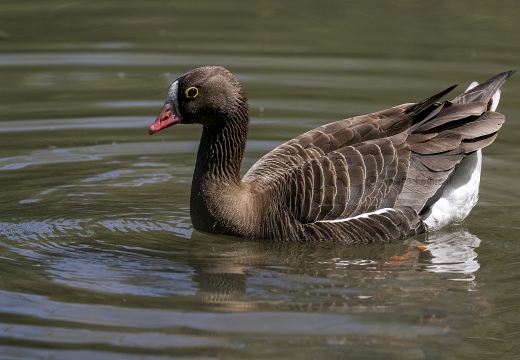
x=453 y=252
x=242 y=276
x=236 y=275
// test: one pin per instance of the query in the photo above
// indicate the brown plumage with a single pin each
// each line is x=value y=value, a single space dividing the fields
x=358 y=180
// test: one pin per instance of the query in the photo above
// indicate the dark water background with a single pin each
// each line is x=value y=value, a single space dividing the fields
x=98 y=258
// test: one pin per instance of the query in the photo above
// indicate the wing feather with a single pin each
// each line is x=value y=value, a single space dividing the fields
x=396 y=158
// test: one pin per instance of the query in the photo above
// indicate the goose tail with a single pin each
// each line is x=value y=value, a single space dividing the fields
x=459 y=194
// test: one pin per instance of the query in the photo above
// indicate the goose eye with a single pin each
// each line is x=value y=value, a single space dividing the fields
x=192 y=92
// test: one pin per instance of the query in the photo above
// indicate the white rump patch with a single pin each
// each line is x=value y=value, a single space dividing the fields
x=460 y=193
x=365 y=215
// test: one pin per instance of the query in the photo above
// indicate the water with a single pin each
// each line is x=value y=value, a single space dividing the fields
x=98 y=256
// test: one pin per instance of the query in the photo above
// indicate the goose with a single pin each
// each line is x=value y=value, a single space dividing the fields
x=374 y=178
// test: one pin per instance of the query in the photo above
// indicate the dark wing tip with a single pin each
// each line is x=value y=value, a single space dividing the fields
x=503 y=76
x=416 y=108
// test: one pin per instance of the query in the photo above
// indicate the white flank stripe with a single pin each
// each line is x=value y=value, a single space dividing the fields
x=365 y=215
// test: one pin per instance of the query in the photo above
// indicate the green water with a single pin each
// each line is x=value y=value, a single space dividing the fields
x=98 y=256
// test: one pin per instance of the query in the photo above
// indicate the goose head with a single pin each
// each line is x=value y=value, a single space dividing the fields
x=208 y=95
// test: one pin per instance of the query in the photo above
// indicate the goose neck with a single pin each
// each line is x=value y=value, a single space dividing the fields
x=220 y=152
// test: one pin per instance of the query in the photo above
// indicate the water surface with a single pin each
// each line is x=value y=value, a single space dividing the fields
x=98 y=255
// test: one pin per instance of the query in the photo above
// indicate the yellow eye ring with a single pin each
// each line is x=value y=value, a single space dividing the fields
x=192 y=92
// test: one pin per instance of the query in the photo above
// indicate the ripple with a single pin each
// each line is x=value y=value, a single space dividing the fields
x=93 y=153
x=251 y=323
x=122 y=272
x=143 y=340
x=108 y=175
x=45 y=229
x=278 y=63
x=112 y=122
x=34 y=229
x=179 y=227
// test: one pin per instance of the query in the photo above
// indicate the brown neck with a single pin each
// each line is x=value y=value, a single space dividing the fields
x=217 y=170
x=220 y=152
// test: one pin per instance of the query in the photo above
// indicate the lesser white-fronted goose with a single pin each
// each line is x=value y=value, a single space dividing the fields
x=372 y=178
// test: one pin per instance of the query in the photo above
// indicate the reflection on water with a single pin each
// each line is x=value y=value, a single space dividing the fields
x=328 y=296
x=454 y=252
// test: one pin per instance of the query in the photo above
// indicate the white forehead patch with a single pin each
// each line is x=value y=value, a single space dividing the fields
x=172 y=91
x=172 y=96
